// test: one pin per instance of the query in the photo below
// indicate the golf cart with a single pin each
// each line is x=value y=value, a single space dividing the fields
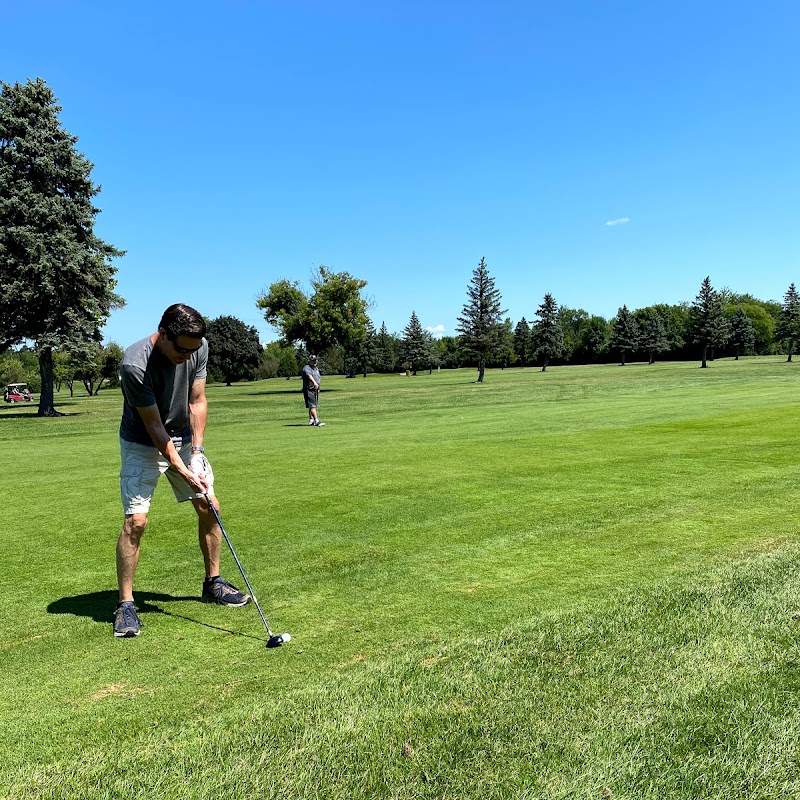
x=17 y=392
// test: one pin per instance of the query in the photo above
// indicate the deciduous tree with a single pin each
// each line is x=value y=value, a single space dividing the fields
x=234 y=349
x=333 y=313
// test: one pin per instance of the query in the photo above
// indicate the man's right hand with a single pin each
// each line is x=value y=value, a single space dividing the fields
x=198 y=477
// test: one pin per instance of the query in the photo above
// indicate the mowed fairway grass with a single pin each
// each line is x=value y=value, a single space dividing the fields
x=582 y=583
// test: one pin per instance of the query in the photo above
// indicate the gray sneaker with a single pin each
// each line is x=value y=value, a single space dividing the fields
x=223 y=593
x=319 y=423
x=126 y=620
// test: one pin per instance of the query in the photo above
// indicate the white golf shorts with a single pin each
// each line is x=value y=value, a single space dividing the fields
x=142 y=466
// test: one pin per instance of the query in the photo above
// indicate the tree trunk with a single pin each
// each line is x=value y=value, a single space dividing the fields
x=622 y=363
x=481 y=370
x=703 y=365
x=544 y=364
x=46 y=407
x=652 y=358
x=737 y=354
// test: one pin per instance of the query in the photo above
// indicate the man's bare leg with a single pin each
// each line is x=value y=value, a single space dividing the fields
x=128 y=553
x=209 y=535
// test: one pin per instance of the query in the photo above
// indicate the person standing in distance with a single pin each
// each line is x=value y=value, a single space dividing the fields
x=163 y=381
x=311 y=381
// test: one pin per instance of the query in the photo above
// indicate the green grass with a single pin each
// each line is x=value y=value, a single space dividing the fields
x=548 y=586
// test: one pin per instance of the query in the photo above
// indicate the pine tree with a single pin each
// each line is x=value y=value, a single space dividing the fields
x=624 y=333
x=56 y=278
x=547 y=334
x=522 y=342
x=742 y=333
x=653 y=338
x=707 y=322
x=789 y=322
x=416 y=349
x=385 y=356
x=480 y=325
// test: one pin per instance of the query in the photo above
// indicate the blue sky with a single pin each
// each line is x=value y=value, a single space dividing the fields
x=245 y=141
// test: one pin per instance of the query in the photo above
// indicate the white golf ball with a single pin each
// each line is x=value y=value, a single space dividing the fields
x=287 y=637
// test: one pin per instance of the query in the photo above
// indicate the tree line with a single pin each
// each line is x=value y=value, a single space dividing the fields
x=716 y=323
x=57 y=282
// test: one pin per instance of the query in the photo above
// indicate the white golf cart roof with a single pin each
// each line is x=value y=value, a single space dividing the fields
x=14 y=385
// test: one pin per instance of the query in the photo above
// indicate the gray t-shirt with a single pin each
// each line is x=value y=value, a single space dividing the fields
x=308 y=373
x=149 y=378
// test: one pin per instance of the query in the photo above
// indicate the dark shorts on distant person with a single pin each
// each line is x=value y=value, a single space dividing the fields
x=312 y=398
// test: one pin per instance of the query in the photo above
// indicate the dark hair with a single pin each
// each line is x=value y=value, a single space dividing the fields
x=183 y=320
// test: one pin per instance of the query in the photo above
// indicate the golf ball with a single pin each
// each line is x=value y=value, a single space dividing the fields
x=287 y=637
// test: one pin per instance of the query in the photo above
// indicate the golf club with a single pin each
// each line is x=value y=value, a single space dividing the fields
x=273 y=641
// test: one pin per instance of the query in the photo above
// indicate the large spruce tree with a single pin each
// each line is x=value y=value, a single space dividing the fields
x=742 y=333
x=522 y=342
x=547 y=333
x=653 y=338
x=416 y=345
x=624 y=333
x=789 y=322
x=56 y=278
x=707 y=322
x=480 y=323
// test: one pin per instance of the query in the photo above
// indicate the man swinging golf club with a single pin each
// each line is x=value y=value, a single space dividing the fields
x=163 y=421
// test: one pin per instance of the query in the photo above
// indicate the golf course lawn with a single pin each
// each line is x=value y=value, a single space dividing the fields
x=582 y=583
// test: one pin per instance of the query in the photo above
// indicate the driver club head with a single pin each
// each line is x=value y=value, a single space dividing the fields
x=277 y=641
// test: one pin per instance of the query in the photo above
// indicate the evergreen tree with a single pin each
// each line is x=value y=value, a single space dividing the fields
x=547 y=334
x=624 y=333
x=385 y=357
x=505 y=354
x=480 y=320
x=56 y=278
x=742 y=333
x=365 y=350
x=707 y=323
x=653 y=337
x=234 y=349
x=789 y=322
x=522 y=342
x=415 y=345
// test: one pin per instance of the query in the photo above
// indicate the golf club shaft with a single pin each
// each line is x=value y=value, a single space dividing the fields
x=239 y=564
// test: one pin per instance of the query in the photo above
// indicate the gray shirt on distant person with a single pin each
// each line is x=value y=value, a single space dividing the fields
x=149 y=378
x=308 y=373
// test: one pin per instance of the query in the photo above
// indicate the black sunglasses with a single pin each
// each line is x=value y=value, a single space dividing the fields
x=184 y=351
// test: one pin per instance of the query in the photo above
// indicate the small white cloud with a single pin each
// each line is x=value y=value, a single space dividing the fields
x=619 y=221
x=437 y=331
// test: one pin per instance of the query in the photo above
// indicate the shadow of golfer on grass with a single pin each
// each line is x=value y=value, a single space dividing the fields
x=99 y=606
